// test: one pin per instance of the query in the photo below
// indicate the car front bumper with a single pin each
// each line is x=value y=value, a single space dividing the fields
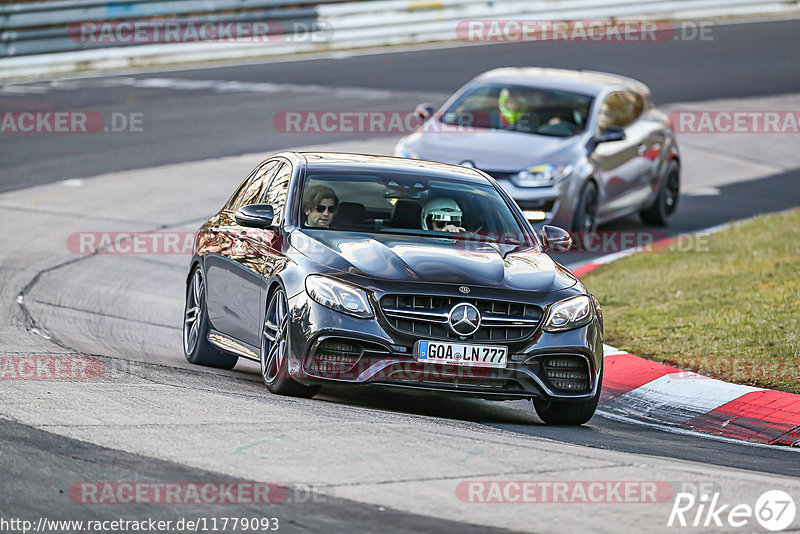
x=330 y=347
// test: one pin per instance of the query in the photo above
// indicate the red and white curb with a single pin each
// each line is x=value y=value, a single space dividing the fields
x=642 y=389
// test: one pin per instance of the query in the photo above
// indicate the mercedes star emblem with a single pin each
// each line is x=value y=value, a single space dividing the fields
x=464 y=319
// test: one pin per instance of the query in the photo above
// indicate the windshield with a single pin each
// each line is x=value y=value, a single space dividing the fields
x=408 y=204
x=522 y=109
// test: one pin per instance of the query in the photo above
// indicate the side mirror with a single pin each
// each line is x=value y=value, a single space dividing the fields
x=612 y=133
x=423 y=111
x=555 y=239
x=255 y=216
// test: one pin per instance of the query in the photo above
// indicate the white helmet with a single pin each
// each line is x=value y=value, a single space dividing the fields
x=440 y=209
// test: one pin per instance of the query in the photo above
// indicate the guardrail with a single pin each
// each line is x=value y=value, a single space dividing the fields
x=45 y=37
x=44 y=27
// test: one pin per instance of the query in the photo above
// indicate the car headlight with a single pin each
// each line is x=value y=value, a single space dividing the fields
x=339 y=296
x=542 y=175
x=568 y=314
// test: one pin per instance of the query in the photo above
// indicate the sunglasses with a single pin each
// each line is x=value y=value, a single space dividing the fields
x=321 y=209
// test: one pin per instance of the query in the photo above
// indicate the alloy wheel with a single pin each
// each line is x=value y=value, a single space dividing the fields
x=671 y=192
x=193 y=312
x=274 y=336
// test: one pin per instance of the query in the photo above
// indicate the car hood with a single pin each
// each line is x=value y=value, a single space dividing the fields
x=433 y=260
x=494 y=150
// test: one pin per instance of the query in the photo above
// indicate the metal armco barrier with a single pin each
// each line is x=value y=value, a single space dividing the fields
x=44 y=27
x=49 y=37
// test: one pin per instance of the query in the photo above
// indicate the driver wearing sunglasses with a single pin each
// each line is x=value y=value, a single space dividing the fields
x=319 y=205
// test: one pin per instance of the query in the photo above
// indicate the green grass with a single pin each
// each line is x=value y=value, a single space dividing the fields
x=728 y=308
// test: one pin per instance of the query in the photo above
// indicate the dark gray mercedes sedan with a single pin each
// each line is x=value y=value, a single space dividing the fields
x=573 y=148
x=349 y=269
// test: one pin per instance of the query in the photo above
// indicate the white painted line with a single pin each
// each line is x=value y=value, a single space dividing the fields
x=702 y=192
x=604 y=260
x=608 y=258
x=608 y=350
x=229 y=86
x=24 y=89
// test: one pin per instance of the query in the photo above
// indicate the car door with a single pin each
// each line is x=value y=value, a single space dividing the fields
x=652 y=150
x=230 y=282
x=262 y=252
x=623 y=169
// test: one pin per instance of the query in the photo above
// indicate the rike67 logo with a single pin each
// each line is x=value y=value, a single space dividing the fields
x=774 y=510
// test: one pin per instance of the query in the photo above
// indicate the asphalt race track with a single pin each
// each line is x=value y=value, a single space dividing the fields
x=201 y=123
x=126 y=310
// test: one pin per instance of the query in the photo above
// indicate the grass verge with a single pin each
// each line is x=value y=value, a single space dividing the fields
x=725 y=305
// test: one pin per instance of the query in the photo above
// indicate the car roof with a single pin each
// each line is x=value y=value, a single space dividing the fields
x=579 y=81
x=332 y=161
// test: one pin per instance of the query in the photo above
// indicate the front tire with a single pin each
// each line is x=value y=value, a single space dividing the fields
x=275 y=350
x=196 y=347
x=585 y=218
x=667 y=200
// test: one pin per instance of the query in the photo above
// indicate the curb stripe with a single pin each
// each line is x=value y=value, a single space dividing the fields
x=764 y=416
x=625 y=372
x=791 y=439
x=584 y=269
x=608 y=350
x=678 y=398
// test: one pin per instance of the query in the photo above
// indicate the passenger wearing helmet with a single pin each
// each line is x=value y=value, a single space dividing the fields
x=442 y=215
x=513 y=106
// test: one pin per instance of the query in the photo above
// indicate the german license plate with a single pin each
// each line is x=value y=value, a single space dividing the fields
x=462 y=354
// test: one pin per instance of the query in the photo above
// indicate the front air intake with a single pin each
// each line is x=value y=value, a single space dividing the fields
x=335 y=356
x=568 y=373
x=343 y=359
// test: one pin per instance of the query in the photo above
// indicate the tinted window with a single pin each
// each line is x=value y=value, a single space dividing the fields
x=256 y=188
x=237 y=196
x=409 y=204
x=523 y=109
x=277 y=192
x=619 y=110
